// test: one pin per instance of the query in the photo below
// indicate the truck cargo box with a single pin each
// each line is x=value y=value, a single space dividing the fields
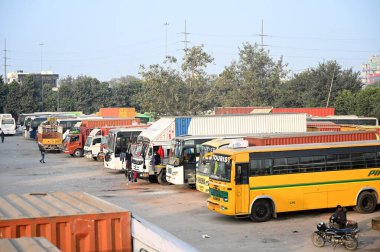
x=73 y=221
x=110 y=122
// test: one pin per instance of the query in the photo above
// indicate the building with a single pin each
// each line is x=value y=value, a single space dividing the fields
x=47 y=77
x=371 y=71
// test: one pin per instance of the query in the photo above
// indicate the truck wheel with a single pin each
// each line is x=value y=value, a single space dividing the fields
x=77 y=153
x=366 y=203
x=95 y=158
x=261 y=211
x=161 y=177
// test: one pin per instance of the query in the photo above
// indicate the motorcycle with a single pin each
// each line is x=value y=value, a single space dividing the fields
x=347 y=237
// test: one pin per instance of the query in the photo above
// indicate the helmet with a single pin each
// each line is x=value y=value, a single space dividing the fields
x=321 y=226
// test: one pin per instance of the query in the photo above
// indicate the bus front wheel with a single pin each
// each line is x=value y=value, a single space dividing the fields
x=261 y=211
x=366 y=203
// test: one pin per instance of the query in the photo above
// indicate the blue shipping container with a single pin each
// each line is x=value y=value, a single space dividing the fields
x=182 y=126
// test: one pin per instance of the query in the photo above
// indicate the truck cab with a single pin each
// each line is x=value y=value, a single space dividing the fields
x=92 y=147
x=74 y=144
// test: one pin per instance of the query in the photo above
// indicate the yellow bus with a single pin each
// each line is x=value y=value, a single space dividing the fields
x=203 y=169
x=259 y=182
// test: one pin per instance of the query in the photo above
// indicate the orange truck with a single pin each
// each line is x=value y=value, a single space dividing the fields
x=50 y=135
x=74 y=142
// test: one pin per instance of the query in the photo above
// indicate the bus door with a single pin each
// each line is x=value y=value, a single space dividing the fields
x=241 y=188
x=189 y=163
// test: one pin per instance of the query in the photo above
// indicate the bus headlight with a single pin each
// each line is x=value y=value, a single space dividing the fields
x=225 y=199
x=223 y=208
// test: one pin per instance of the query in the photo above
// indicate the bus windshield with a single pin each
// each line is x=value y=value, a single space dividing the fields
x=175 y=152
x=88 y=141
x=204 y=165
x=220 y=168
x=8 y=121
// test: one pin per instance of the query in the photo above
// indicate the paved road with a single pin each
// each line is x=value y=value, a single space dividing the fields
x=179 y=210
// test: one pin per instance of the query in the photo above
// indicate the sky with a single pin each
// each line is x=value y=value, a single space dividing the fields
x=110 y=39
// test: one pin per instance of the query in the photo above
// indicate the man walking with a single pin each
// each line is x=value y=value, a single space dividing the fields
x=2 y=135
x=42 y=160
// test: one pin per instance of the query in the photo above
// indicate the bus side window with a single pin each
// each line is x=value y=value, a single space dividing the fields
x=241 y=174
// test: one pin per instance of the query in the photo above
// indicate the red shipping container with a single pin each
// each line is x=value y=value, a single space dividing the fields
x=323 y=126
x=237 y=110
x=98 y=123
x=109 y=112
x=310 y=111
x=310 y=137
x=71 y=221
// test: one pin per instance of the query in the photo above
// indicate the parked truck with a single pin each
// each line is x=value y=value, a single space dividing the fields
x=160 y=135
x=93 y=148
x=49 y=135
x=74 y=142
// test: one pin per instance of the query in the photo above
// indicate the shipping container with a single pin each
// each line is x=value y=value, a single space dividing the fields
x=98 y=123
x=127 y=112
x=117 y=112
x=238 y=124
x=268 y=109
x=323 y=126
x=35 y=244
x=309 y=111
x=72 y=221
x=311 y=137
x=109 y=112
x=237 y=110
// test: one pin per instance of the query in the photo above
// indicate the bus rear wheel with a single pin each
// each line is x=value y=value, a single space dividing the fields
x=261 y=211
x=366 y=203
x=161 y=177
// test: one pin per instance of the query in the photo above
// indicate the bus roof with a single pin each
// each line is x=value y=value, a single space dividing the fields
x=219 y=142
x=310 y=146
x=132 y=128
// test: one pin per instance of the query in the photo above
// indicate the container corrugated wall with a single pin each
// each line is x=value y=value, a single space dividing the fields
x=313 y=137
x=241 y=124
x=236 y=110
x=35 y=244
x=310 y=111
x=182 y=125
x=71 y=221
x=110 y=122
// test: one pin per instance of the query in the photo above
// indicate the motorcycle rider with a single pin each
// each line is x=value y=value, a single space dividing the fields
x=339 y=216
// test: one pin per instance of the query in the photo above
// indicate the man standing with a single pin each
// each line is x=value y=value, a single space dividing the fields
x=2 y=135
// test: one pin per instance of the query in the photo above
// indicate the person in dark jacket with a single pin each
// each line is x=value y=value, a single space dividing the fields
x=339 y=216
x=2 y=135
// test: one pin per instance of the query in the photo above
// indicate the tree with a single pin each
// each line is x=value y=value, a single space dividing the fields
x=3 y=95
x=12 y=101
x=368 y=102
x=126 y=92
x=345 y=103
x=253 y=80
x=311 y=87
x=163 y=89
x=31 y=95
x=197 y=81
x=50 y=98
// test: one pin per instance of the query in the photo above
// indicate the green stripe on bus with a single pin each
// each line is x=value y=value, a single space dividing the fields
x=313 y=184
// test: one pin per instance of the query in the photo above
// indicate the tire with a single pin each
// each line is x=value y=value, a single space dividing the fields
x=317 y=240
x=261 y=211
x=351 y=243
x=95 y=158
x=77 y=153
x=161 y=177
x=366 y=203
x=152 y=179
